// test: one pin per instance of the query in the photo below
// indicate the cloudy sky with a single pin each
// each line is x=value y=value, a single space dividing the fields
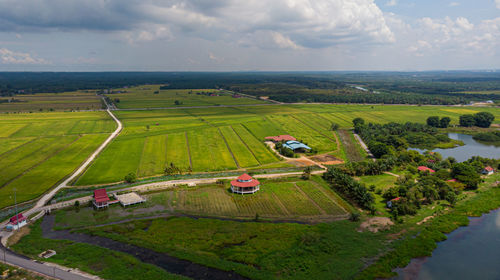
x=240 y=35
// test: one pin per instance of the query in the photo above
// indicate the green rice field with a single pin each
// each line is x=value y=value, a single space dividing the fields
x=230 y=138
x=64 y=101
x=39 y=150
x=150 y=96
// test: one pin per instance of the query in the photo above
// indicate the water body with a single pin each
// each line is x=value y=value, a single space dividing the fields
x=471 y=252
x=471 y=148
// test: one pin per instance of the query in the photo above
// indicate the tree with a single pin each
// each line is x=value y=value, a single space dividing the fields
x=433 y=121
x=306 y=175
x=358 y=121
x=130 y=178
x=467 y=120
x=466 y=174
x=444 y=122
x=334 y=126
x=177 y=102
x=483 y=119
x=378 y=149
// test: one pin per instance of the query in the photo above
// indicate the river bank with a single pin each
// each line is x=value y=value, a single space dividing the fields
x=420 y=240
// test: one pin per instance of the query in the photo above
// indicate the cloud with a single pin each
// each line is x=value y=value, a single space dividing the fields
x=292 y=23
x=455 y=4
x=498 y=3
x=11 y=57
x=391 y=3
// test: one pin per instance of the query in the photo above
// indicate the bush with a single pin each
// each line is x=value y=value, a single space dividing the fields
x=433 y=121
x=354 y=217
x=130 y=178
x=483 y=119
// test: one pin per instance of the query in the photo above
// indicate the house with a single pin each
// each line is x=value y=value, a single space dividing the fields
x=245 y=184
x=101 y=198
x=488 y=170
x=296 y=146
x=392 y=201
x=280 y=138
x=16 y=222
x=425 y=169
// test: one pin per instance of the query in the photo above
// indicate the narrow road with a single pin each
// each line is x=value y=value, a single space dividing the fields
x=50 y=270
x=363 y=145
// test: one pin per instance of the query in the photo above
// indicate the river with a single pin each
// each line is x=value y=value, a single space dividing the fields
x=471 y=252
x=471 y=148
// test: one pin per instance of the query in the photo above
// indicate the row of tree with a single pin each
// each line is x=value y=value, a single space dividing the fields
x=481 y=119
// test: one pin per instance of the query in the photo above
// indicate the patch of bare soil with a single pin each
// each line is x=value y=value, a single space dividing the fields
x=327 y=159
x=376 y=224
x=302 y=162
x=425 y=220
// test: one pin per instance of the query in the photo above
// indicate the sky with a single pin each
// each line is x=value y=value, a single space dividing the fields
x=249 y=35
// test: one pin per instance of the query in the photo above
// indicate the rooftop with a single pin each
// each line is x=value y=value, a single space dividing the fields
x=280 y=138
x=294 y=145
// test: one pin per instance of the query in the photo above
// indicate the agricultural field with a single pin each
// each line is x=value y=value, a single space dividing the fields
x=151 y=96
x=231 y=138
x=38 y=150
x=286 y=199
x=64 y=101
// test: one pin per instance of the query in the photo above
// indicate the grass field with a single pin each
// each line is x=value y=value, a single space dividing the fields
x=227 y=138
x=38 y=150
x=145 y=97
x=64 y=101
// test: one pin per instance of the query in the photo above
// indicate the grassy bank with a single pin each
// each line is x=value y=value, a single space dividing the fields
x=420 y=241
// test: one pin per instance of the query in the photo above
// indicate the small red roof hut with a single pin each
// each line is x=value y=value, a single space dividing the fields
x=101 y=198
x=245 y=184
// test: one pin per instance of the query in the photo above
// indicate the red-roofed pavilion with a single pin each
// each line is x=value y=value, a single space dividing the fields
x=245 y=184
x=101 y=198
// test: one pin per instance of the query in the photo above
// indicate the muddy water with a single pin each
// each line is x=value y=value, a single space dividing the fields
x=165 y=261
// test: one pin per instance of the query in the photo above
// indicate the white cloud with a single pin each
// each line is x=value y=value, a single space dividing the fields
x=498 y=3
x=391 y=3
x=294 y=23
x=455 y=4
x=11 y=57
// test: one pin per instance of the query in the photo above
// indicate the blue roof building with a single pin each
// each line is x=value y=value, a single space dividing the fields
x=296 y=146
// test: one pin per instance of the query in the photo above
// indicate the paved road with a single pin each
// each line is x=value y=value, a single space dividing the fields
x=49 y=270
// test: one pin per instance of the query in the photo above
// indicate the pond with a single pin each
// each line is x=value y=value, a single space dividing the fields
x=471 y=252
x=471 y=148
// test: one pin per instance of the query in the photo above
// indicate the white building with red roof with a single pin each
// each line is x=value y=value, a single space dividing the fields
x=488 y=170
x=245 y=184
x=16 y=222
x=281 y=138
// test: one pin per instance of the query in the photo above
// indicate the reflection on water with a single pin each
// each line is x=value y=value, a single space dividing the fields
x=471 y=148
x=471 y=252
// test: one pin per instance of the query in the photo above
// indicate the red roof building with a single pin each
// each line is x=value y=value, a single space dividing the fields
x=16 y=222
x=245 y=184
x=425 y=168
x=101 y=198
x=488 y=170
x=280 y=138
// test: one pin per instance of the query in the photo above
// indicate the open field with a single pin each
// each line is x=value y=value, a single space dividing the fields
x=64 y=101
x=145 y=97
x=38 y=150
x=227 y=138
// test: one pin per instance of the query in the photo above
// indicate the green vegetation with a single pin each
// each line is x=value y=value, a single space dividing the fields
x=235 y=136
x=64 y=101
x=493 y=136
x=155 y=96
x=96 y=260
x=39 y=150
x=481 y=119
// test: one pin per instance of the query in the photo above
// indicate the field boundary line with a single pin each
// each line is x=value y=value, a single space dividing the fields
x=189 y=150
x=249 y=131
x=40 y=162
x=246 y=145
x=329 y=196
x=321 y=133
x=280 y=204
x=142 y=155
x=321 y=210
x=166 y=151
x=229 y=148
x=18 y=147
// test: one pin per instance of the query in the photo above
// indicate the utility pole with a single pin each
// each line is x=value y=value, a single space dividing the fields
x=15 y=206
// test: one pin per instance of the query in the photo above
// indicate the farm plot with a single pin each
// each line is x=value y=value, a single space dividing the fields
x=275 y=200
x=209 y=151
x=63 y=101
x=243 y=155
x=153 y=158
x=40 y=149
x=258 y=148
